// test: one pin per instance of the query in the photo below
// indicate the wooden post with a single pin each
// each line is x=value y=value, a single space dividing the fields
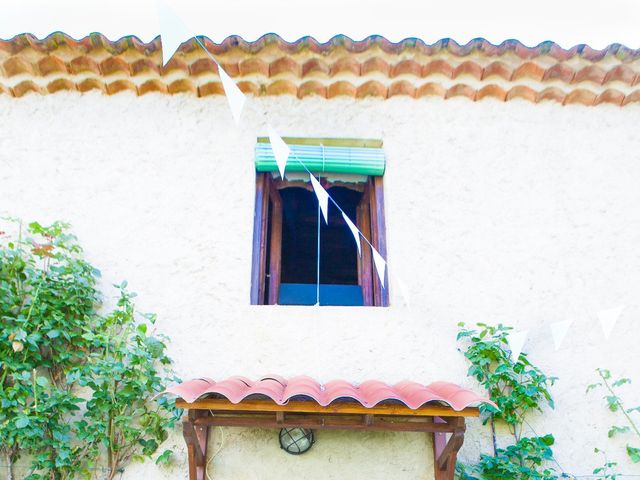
x=196 y=438
x=260 y=219
x=445 y=452
x=275 y=253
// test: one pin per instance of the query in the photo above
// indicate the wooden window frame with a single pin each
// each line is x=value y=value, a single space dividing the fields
x=370 y=220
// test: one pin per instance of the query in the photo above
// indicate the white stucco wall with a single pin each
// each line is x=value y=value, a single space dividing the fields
x=520 y=213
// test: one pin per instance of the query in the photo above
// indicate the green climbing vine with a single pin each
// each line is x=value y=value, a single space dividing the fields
x=518 y=388
x=630 y=426
x=76 y=386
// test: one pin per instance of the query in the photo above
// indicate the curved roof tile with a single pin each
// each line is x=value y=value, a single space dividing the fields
x=368 y=394
x=341 y=66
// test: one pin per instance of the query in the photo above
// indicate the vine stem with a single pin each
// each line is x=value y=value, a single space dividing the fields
x=493 y=437
x=9 y=465
x=619 y=403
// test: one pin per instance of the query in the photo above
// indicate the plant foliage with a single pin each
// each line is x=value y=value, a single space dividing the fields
x=616 y=405
x=53 y=341
x=517 y=387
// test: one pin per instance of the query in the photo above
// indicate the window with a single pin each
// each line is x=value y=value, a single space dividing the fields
x=285 y=242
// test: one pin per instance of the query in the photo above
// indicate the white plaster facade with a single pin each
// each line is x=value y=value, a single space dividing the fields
x=520 y=213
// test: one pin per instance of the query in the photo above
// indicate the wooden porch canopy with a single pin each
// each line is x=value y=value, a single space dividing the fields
x=438 y=409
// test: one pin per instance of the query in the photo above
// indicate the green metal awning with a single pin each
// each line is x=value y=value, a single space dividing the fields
x=336 y=155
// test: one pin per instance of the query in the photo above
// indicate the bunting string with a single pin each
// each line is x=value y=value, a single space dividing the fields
x=174 y=31
x=236 y=100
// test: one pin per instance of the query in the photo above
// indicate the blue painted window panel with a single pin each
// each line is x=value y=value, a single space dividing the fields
x=305 y=294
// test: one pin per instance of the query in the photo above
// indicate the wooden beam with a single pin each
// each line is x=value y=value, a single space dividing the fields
x=223 y=405
x=327 y=422
x=329 y=142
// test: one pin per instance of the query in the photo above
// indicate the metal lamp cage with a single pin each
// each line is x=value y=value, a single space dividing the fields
x=296 y=440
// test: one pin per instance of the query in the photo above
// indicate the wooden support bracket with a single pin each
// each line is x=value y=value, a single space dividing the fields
x=445 y=451
x=196 y=438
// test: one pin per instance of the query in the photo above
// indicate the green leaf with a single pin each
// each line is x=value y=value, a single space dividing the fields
x=42 y=381
x=22 y=422
x=614 y=430
x=53 y=333
x=593 y=386
x=164 y=458
x=612 y=402
x=634 y=453
x=620 y=382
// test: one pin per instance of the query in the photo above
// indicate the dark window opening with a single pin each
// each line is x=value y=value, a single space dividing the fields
x=338 y=252
x=285 y=246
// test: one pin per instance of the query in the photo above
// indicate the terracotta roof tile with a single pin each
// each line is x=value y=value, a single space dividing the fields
x=375 y=64
x=632 y=98
x=368 y=394
x=522 y=92
x=528 y=70
x=551 y=93
x=315 y=66
x=620 y=73
x=461 y=90
x=84 y=64
x=497 y=69
x=201 y=66
x=431 y=89
x=25 y=87
x=211 y=88
x=341 y=88
x=406 y=67
x=152 y=86
x=371 y=88
x=285 y=65
x=492 y=91
x=592 y=73
x=61 y=84
x=341 y=66
x=115 y=65
x=282 y=87
x=612 y=96
x=582 y=96
x=468 y=68
x=402 y=87
x=19 y=66
x=92 y=84
x=345 y=65
x=50 y=65
x=312 y=88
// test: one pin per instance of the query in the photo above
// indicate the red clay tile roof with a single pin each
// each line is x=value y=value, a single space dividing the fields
x=368 y=394
x=372 y=67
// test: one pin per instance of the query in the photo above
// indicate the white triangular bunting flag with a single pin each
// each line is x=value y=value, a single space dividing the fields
x=516 y=342
x=354 y=231
x=173 y=31
x=380 y=264
x=280 y=150
x=323 y=197
x=235 y=97
x=608 y=319
x=559 y=331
